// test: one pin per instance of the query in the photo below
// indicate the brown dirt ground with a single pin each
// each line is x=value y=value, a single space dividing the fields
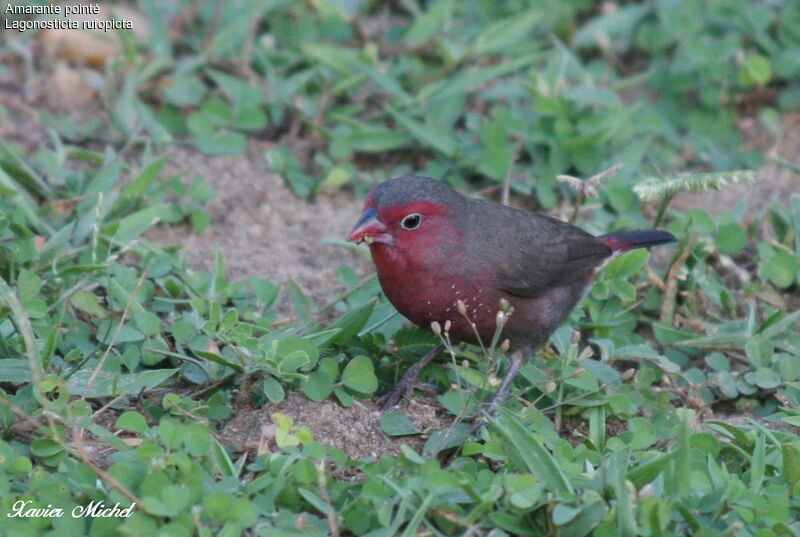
x=260 y=227
x=355 y=430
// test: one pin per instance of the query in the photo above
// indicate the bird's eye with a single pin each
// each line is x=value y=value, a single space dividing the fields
x=412 y=221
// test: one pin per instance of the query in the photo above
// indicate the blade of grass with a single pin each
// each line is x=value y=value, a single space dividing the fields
x=23 y=325
x=597 y=427
x=25 y=203
x=649 y=471
x=416 y=520
x=679 y=484
x=626 y=522
x=441 y=140
x=757 y=463
x=537 y=459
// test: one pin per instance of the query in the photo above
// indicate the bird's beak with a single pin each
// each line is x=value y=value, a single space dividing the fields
x=369 y=229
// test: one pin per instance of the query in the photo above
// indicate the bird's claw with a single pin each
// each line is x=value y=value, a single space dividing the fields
x=390 y=399
x=409 y=381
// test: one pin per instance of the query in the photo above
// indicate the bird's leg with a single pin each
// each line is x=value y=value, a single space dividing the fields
x=518 y=358
x=408 y=381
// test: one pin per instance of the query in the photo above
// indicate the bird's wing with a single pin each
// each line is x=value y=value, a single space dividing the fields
x=539 y=253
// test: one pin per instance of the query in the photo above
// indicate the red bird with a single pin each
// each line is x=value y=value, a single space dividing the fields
x=434 y=247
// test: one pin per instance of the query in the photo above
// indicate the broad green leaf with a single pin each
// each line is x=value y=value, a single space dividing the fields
x=524 y=490
x=731 y=238
x=28 y=285
x=624 y=290
x=317 y=386
x=397 y=424
x=588 y=517
x=45 y=447
x=718 y=361
x=185 y=89
x=110 y=332
x=756 y=70
x=767 y=379
x=359 y=375
x=273 y=389
x=23 y=201
x=782 y=269
x=563 y=513
x=107 y=176
x=460 y=402
x=15 y=371
x=297 y=352
x=627 y=264
x=221 y=142
x=759 y=350
x=222 y=460
x=148 y=323
x=250 y=119
x=131 y=421
x=238 y=90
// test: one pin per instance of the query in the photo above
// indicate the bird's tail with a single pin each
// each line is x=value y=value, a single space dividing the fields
x=622 y=241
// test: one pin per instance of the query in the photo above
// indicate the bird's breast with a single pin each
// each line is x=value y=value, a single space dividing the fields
x=429 y=288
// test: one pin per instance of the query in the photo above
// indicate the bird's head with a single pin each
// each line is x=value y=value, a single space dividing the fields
x=405 y=211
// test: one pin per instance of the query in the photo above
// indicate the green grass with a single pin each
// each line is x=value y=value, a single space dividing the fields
x=677 y=411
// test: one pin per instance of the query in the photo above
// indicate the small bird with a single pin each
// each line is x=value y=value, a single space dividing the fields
x=445 y=258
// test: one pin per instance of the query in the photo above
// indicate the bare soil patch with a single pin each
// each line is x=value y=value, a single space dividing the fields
x=261 y=228
x=355 y=430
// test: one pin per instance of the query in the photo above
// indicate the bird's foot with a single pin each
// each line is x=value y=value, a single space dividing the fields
x=409 y=381
x=498 y=399
x=402 y=388
x=479 y=418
